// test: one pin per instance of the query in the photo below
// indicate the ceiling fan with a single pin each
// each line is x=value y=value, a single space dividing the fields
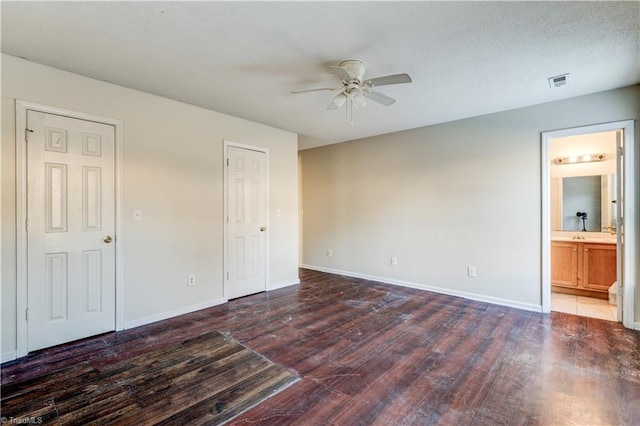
x=355 y=89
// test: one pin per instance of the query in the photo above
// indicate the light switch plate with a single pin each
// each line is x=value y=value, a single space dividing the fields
x=137 y=215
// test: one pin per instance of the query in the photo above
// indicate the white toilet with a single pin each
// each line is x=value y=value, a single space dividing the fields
x=613 y=293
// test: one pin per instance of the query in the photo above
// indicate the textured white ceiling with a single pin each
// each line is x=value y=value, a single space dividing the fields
x=244 y=58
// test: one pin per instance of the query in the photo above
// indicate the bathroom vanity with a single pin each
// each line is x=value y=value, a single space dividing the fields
x=583 y=267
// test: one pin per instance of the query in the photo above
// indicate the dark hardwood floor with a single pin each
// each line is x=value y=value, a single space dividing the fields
x=206 y=379
x=370 y=353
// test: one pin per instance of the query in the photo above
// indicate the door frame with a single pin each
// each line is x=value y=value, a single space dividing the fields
x=629 y=173
x=21 y=214
x=225 y=214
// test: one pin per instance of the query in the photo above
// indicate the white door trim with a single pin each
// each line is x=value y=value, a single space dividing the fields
x=21 y=213
x=225 y=157
x=629 y=255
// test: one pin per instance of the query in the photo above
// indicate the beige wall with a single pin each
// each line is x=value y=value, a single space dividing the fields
x=172 y=171
x=445 y=197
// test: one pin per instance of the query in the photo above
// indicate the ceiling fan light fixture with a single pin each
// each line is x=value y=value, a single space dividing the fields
x=337 y=101
x=359 y=100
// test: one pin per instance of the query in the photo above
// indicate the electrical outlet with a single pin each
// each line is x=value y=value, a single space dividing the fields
x=191 y=280
x=291 y=261
x=394 y=261
x=471 y=271
x=329 y=252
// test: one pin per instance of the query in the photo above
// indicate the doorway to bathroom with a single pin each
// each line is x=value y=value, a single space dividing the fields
x=588 y=191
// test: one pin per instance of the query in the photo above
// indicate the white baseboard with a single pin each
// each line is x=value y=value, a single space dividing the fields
x=166 y=315
x=636 y=326
x=435 y=289
x=282 y=285
x=8 y=356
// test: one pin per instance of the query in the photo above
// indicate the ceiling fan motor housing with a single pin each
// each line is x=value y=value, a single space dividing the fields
x=354 y=68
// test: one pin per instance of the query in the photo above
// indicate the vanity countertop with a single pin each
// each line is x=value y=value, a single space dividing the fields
x=580 y=238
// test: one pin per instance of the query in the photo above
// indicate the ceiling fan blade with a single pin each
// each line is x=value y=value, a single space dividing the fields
x=315 y=90
x=341 y=72
x=380 y=98
x=388 y=79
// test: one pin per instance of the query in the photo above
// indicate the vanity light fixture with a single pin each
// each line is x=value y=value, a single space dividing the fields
x=575 y=159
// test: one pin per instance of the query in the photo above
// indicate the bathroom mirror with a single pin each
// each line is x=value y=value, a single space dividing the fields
x=572 y=196
x=583 y=180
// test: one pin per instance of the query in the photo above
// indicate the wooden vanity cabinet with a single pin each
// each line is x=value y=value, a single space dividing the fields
x=599 y=266
x=586 y=269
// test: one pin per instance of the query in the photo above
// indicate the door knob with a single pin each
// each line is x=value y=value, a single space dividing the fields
x=263 y=228
x=107 y=239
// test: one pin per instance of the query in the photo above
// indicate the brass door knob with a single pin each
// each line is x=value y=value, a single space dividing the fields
x=107 y=239
x=263 y=228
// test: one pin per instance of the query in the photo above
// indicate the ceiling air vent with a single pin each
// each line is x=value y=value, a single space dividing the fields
x=558 y=80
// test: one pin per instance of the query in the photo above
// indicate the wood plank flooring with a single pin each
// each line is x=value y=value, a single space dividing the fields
x=206 y=379
x=370 y=353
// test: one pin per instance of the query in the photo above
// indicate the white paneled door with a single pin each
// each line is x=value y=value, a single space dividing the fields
x=70 y=229
x=246 y=220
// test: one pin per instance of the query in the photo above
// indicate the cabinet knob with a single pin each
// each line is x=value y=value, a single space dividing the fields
x=586 y=250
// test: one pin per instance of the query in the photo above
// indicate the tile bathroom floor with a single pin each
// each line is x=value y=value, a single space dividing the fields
x=583 y=306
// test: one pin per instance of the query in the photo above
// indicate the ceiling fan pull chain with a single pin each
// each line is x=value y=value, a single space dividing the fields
x=351 y=108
